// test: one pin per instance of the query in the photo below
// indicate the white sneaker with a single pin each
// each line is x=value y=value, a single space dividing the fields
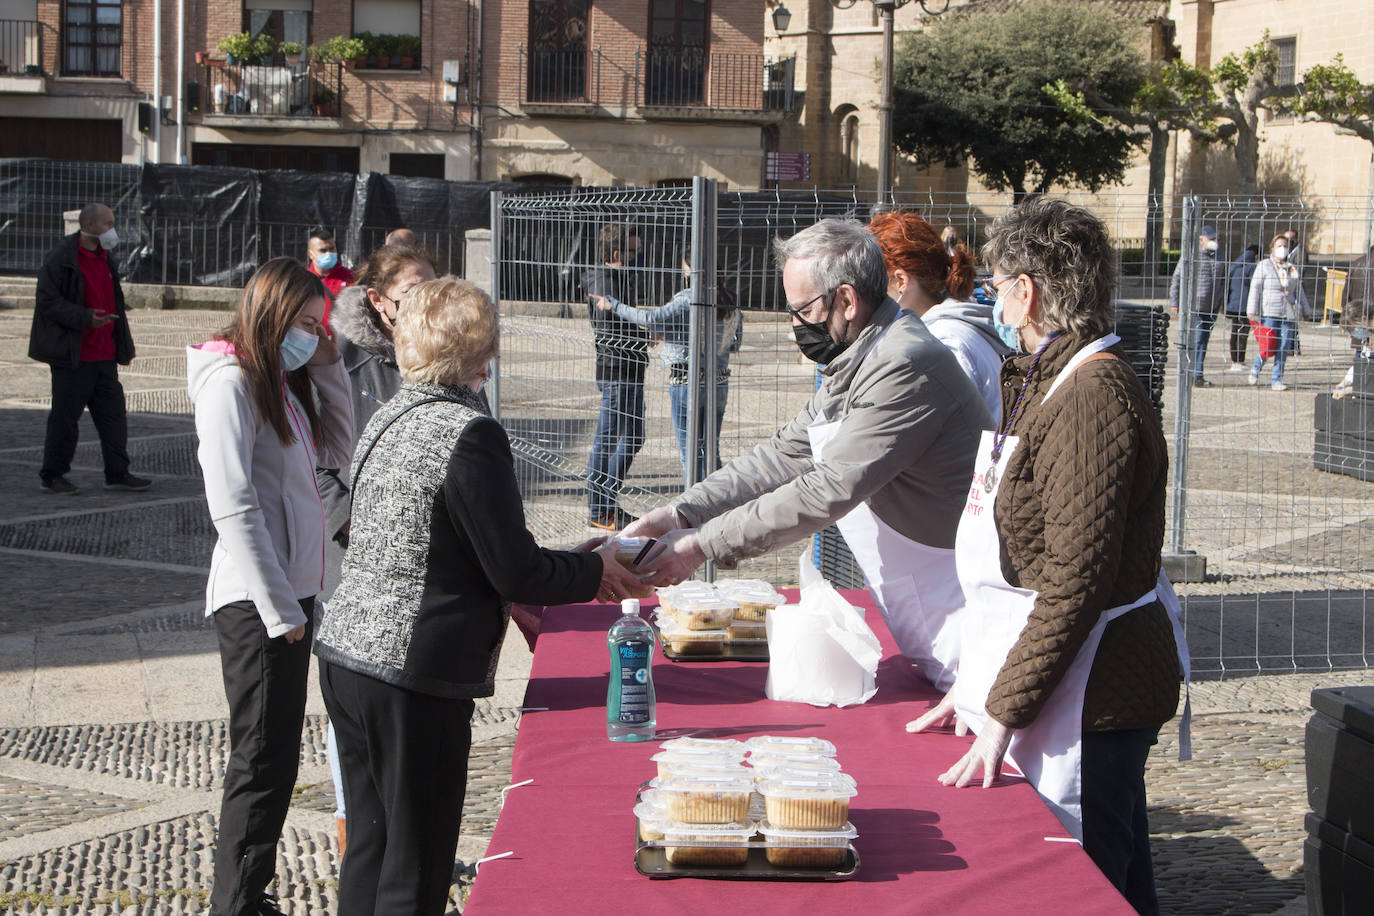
x=1278 y=386
x=1237 y=367
x=1253 y=378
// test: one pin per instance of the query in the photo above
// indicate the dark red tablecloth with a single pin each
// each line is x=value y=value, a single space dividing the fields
x=923 y=847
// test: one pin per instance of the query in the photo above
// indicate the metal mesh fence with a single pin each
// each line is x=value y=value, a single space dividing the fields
x=1287 y=546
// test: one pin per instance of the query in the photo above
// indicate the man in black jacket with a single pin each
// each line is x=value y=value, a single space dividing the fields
x=81 y=330
x=621 y=355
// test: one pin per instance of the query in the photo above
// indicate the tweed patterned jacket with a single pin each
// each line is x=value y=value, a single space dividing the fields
x=438 y=549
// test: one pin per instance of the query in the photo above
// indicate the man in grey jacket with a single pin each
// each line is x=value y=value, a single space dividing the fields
x=1211 y=296
x=884 y=448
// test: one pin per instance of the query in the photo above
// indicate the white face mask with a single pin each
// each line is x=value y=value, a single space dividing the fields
x=108 y=239
x=1209 y=245
x=1281 y=252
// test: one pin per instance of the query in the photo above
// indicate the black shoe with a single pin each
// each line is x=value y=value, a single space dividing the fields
x=128 y=482
x=1200 y=382
x=616 y=521
x=59 y=486
x=267 y=906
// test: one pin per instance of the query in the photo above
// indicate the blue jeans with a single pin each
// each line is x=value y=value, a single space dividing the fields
x=619 y=437
x=679 y=395
x=1288 y=334
x=1202 y=332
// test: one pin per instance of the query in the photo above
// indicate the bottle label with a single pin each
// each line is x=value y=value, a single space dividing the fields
x=634 y=681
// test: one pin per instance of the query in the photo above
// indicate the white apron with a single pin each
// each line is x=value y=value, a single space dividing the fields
x=915 y=586
x=1048 y=751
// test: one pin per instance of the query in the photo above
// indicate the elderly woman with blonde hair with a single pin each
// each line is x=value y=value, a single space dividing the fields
x=437 y=552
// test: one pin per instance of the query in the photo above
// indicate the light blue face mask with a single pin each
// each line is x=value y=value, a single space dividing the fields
x=1005 y=331
x=327 y=261
x=297 y=348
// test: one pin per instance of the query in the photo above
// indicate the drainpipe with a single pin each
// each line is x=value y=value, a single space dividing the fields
x=181 y=82
x=157 y=81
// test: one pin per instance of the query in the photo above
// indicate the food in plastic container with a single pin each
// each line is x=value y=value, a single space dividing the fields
x=806 y=848
x=693 y=642
x=628 y=552
x=740 y=629
x=806 y=804
x=790 y=744
x=754 y=597
x=701 y=612
x=671 y=763
x=819 y=768
x=652 y=822
x=708 y=799
x=721 y=844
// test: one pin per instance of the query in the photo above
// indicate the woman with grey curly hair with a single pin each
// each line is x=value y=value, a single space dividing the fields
x=1072 y=651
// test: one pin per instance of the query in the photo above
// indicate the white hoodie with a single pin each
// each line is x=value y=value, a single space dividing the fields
x=262 y=496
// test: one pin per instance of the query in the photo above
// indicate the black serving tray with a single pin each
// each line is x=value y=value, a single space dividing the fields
x=733 y=652
x=652 y=861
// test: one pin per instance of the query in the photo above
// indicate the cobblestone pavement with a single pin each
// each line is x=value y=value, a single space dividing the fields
x=112 y=728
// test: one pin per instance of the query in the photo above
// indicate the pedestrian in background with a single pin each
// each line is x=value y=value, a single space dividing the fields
x=256 y=387
x=1210 y=283
x=674 y=323
x=81 y=330
x=1277 y=301
x=1238 y=277
x=322 y=255
x=622 y=352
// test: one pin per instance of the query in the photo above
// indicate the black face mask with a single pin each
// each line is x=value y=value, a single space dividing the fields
x=815 y=342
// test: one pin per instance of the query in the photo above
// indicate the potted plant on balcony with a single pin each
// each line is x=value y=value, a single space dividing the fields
x=292 y=51
x=408 y=47
x=381 y=51
x=322 y=102
x=364 y=59
x=346 y=50
x=236 y=47
x=265 y=49
x=202 y=57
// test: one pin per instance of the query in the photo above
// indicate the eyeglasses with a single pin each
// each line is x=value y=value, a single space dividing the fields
x=990 y=284
x=799 y=311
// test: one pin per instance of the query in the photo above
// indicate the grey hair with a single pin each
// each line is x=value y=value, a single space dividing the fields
x=841 y=251
x=1065 y=250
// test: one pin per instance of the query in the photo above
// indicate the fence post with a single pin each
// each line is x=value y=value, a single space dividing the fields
x=701 y=364
x=1184 y=565
x=494 y=381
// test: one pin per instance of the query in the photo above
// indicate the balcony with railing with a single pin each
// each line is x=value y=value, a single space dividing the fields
x=687 y=84
x=21 y=47
x=304 y=95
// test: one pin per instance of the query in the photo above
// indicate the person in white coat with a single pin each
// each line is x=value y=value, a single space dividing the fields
x=256 y=386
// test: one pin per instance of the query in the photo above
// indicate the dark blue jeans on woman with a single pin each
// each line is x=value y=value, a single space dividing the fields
x=619 y=437
x=680 y=396
x=1288 y=335
x=1116 y=831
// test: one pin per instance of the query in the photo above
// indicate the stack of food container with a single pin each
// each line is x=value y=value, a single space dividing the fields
x=710 y=804
x=698 y=618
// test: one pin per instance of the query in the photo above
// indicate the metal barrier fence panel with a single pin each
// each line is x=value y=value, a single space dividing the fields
x=1288 y=546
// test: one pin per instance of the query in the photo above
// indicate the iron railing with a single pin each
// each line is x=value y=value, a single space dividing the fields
x=696 y=78
x=21 y=46
x=248 y=90
x=559 y=77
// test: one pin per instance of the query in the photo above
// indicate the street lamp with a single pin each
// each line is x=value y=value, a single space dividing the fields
x=782 y=18
x=886 y=8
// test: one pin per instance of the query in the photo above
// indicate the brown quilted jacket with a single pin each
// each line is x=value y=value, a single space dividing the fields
x=1080 y=515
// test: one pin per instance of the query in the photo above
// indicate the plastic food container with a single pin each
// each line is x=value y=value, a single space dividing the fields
x=754 y=597
x=652 y=822
x=703 y=612
x=747 y=629
x=708 y=844
x=818 y=768
x=709 y=799
x=806 y=804
x=790 y=744
x=806 y=848
x=692 y=642
x=627 y=553
x=690 y=745
x=682 y=761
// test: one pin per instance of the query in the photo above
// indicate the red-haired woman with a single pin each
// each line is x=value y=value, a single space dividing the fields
x=255 y=387
x=927 y=280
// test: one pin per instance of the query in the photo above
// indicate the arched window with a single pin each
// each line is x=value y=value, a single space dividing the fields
x=849 y=145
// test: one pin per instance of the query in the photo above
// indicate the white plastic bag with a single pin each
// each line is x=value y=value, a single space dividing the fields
x=820 y=651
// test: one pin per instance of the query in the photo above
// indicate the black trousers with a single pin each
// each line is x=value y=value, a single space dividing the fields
x=1240 y=335
x=1116 y=831
x=404 y=757
x=95 y=386
x=264 y=680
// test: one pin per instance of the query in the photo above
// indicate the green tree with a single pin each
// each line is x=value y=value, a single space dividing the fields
x=972 y=88
x=1243 y=85
x=1331 y=93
